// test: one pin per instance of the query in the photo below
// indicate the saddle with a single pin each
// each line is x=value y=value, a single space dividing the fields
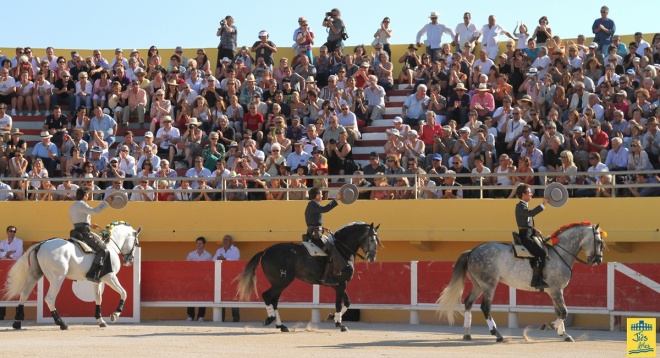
x=521 y=252
x=312 y=248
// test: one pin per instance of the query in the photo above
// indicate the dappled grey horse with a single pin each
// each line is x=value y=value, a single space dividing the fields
x=490 y=263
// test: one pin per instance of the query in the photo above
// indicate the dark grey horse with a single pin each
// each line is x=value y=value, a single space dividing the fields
x=490 y=263
x=282 y=263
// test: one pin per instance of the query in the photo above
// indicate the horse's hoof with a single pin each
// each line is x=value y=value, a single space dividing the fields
x=64 y=326
x=268 y=321
x=114 y=317
x=568 y=339
x=102 y=324
x=283 y=328
x=331 y=316
x=344 y=329
x=543 y=327
x=467 y=337
x=499 y=339
x=16 y=325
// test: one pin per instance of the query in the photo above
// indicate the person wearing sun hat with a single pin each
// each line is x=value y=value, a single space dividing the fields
x=47 y=152
x=434 y=32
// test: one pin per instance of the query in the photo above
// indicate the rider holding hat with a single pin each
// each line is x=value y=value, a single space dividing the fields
x=526 y=230
x=80 y=214
x=314 y=220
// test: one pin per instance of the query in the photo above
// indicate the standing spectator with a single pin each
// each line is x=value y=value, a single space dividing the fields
x=228 y=34
x=11 y=248
x=199 y=254
x=491 y=31
x=265 y=49
x=433 y=31
x=228 y=252
x=466 y=31
x=383 y=34
x=336 y=31
x=603 y=28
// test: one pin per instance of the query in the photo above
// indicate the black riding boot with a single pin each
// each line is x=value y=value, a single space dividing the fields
x=327 y=278
x=537 y=279
x=95 y=271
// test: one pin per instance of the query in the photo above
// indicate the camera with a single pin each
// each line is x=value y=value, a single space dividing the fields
x=223 y=22
x=332 y=141
x=191 y=126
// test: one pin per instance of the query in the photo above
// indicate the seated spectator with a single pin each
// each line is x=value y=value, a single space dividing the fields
x=235 y=182
x=483 y=102
x=66 y=191
x=202 y=193
x=184 y=191
x=645 y=192
x=56 y=124
x=374 y=94
x=415 y=106
x=143 y=191
x=568 y=169
x=596 y=140
x=17 y=165
x=450 y=189
x=458 y=104
x=42 y=93
x=160 y=107
x=166 y=138
x=638 y=159
x=617 y=157
x=136 y=103
x=46 y=151
x=592 y=179
x=506 y=167
x=402 y=191
x=146 y=170
x=47 y=194
x=115 y=185
x=24 y=91
x=63 y=91
x=382 y=182
x=483 y=179
x=394 y=145
x=393 y=167
x=519 y=175
x=463 y=146
x=534 y=154
x=296 y=182
x=150 y=157
x=414 y=148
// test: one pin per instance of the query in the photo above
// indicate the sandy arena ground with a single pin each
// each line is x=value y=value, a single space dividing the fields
x=181 y=338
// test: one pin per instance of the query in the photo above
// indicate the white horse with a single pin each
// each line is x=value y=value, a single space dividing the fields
x=490 y=263
x=59 y=259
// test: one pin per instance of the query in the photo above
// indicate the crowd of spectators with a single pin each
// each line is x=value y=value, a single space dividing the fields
x=542 y=105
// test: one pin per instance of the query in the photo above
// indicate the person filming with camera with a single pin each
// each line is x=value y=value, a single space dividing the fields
x=336 y=30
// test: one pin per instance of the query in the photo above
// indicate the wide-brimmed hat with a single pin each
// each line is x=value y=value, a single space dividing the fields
x=45 y=134
x=225 y=59
x=526 y=98
x=365 y=64
x=412 y=46
x=349 y=193
x=16 y=131
x=95 y=149
x=482 y=87
x=460 y=86
x=118 y=200
x=172 y=83
x=193 y=121
x=322 y=168
x=556 y=194
x=434 y=14
x=310 y=79
x=250 y=78
x=166 y=119
x=395 y=132
x=532 y=71
x=138 y=71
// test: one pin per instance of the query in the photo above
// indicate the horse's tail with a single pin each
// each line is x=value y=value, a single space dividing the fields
x=450 y=299
x=247 y=281
x=17 y=277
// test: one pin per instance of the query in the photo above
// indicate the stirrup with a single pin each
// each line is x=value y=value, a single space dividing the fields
x=94 y=277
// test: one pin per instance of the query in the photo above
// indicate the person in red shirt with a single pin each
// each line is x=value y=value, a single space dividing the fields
x=597 y=141
x=254 y=121
x=429 y=133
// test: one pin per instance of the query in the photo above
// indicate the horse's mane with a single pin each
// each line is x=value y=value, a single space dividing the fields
x=555 y=235
x=350 y=227
x=105 y=233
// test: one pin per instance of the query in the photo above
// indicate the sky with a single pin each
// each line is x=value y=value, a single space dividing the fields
x=133 y=24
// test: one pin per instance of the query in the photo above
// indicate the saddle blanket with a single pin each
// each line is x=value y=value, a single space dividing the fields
x=82 y=245
x=313 y=249
x=521 y=252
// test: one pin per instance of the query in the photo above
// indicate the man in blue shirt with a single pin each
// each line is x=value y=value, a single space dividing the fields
x=603 y=29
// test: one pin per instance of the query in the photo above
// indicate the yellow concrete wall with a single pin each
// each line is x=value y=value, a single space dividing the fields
x=410 y=230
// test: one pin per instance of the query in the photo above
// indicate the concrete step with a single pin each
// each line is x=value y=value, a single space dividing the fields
x=367 y=150
x=372 y=142
x=375 y=130
x=374 y=136
x=382 y=123
x=393 y=110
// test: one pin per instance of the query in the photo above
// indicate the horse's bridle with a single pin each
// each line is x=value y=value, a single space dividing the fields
x=371 y=252
x=590 y=259
x=130 y=256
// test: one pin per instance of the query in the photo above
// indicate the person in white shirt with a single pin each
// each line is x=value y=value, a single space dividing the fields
x=11 y=248
x=491 y=31
x=542 y=62
x=228 y=252
x=465 y=31
x=433 y=31
x=143 y=192
x=5 y=192
x=199 y=254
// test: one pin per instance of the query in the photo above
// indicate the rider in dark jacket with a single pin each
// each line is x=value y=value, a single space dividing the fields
x=314 y=220
x=526 y=230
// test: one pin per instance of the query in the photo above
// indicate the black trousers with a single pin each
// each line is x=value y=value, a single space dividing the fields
x=90 y=239
x=532 y=247
x=200 y=312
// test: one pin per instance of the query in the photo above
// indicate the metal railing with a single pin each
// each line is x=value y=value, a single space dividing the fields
x=223 y=188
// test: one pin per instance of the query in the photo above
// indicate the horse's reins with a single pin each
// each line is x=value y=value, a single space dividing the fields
x=345 y=248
